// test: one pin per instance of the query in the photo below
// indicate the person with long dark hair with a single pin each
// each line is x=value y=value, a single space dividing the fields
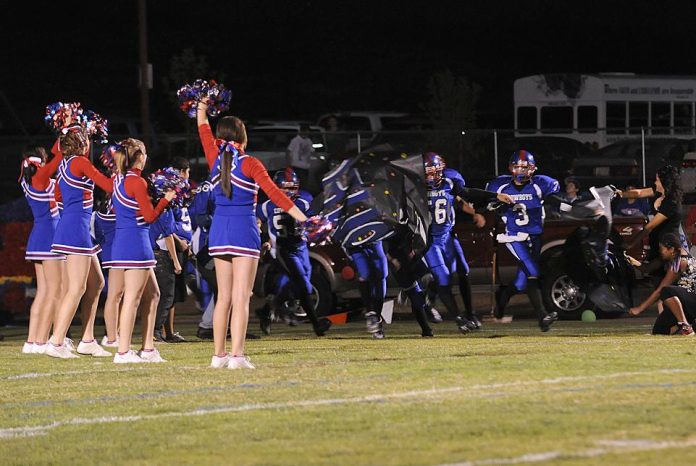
x=677 y=290
x=39 y=190
x=667 y=214
x=76 y=179
x=234 y=240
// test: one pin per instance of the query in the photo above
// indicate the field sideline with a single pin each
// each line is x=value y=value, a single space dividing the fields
x=585 y=393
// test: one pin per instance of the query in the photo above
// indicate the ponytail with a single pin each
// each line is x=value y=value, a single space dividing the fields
x=129 y=150
x=32 y=161
x=232 y=130
x=225 y=169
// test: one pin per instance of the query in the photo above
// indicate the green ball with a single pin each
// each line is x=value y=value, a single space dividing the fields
x=588 y=316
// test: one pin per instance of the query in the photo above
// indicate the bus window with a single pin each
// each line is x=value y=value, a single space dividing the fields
x=659 y=118
x=556 y=118
x=526 y=119
x=587 y=118
x=637 y=116
x=616 y=117
x=683 y=114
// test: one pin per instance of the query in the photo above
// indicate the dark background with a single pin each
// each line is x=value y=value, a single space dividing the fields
x=301 y=59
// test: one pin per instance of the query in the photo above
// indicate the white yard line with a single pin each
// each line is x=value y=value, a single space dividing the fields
x=606 y=447
x=25 y=431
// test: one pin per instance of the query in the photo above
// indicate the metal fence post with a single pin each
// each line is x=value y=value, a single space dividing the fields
x=495 y=151
x=359 y=148
x=642 y=143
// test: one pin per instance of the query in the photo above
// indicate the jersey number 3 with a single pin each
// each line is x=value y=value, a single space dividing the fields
x=522 y=217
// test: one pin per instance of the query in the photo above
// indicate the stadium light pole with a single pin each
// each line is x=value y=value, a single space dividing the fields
x=144 y=72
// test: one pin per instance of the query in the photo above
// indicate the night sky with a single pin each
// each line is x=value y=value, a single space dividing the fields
x=300 y=59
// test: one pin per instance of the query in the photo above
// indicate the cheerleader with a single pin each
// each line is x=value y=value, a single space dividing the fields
x=105 y=229
x=76 y=179
x=132 y=251
x=39 y=190
x=234 y=240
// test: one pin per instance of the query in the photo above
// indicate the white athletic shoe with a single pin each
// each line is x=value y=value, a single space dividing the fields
x=240 y=362
x=151 y=356
x=27 y=348
x=39 y=348
x=92 y=348
x=109 y=344
x=128 y=357
x=219 y=362
x=62 y=351
x=69 y=343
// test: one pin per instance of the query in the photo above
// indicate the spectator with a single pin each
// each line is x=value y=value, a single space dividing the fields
x=572 y=191
x=679 y=297
x=299 y=154
x=632 y=207
x=335 y=143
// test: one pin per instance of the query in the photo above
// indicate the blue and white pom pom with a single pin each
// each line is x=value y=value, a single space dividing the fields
x=95 y=125
x=317 y=230
x=60 y=115
x=216 y=95
x=169 y=178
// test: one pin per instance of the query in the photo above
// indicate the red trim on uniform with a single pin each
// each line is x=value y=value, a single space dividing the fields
x=81 y=166
x=254 y=169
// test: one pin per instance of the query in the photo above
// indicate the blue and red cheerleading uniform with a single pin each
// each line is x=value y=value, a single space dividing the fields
x=132 y=248
x=76 y=179
x=233 y=230
x=105 y=230
x=40 y=195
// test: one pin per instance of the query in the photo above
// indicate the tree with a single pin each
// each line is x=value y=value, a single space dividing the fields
x=451 y=107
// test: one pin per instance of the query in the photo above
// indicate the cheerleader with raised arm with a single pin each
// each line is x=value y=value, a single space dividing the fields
x=234 y=240
x=132 y=251
x=39 y=190
x=76 y=179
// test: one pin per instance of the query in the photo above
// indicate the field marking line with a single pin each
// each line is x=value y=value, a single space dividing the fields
x=607 y=447
x=25 y=431
x=36 y=375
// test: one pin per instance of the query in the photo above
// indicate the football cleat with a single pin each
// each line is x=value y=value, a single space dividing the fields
x=547 y=320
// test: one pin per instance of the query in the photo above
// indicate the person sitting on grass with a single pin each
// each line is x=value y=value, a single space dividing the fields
x=677 y=290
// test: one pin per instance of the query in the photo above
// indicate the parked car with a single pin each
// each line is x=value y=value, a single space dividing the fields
x=363 y=125
x=620 y=172
x=658 y=152
x=688 y=175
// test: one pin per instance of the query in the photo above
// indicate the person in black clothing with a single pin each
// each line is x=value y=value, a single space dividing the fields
x=667 y=215
x=677 y=290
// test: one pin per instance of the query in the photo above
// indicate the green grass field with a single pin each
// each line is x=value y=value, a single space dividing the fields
x=585 y=393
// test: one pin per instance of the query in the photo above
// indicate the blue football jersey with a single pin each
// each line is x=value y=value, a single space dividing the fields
x=526 y=215
x=182 y=220
x=281 y=226
x=442 y=201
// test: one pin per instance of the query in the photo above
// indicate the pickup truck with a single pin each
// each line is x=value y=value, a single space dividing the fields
x=335 y=280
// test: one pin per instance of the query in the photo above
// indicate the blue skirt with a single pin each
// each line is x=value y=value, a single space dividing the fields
x=40 y=241
x=106 y=247
x=72 y=235
x=131 y=249
x=235 y=235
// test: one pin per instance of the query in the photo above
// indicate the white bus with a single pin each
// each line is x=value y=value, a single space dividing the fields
x=606 y=107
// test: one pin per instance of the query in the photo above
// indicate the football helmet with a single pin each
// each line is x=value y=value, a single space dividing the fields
x=522 y=166
x=434 y=166
x=288 y=181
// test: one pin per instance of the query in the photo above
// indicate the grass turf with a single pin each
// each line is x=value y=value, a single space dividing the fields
x=585 y=393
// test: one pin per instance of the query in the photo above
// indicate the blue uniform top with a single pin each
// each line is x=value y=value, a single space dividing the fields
x=281 y=226
x=73 y=189
x=442 y=200
x=162 y=227
x=182 y=220
x=526 y=215
x=244 y=189
x=105 y=226
x=202 y=207
x=42 y=203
